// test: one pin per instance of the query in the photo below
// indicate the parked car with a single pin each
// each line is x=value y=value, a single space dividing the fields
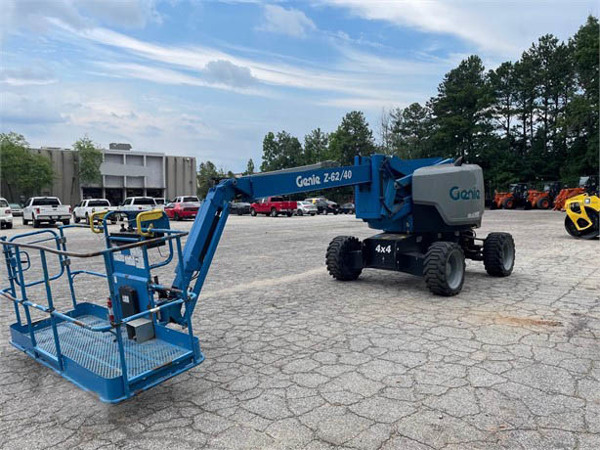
x=348 y=208
x=182 y=210
x=239 y=208
x=306 y=208
x=46 y=209
x=160 y=202
x=85 y=208
x=138 y=204
x=186 y=198
x=273 y=206
x=6 y=217
x=320 y=203
x=17 y=210
x=332 y=207
x=323 y=205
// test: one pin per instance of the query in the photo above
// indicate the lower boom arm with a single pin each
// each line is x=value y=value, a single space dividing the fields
x=212 y=216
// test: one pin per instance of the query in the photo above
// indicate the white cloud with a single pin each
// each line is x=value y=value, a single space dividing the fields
x=291 y=22
x=354 y=73
x=27 y=76
x=37 y=15
x=501 y=27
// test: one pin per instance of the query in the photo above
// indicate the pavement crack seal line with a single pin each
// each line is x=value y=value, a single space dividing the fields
x=264 y=283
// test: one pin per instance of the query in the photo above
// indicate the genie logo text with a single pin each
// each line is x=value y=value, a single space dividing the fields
x=464 y=194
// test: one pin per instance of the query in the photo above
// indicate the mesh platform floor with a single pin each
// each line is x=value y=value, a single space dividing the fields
x=99 y=352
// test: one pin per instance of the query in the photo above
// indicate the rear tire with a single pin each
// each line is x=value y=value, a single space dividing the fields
x=444 y=268
x=499 y=254
x=36 y=223
x=273 y=212
x=338 y=258
x=508 y=203
x=543 y=203
x=66 y=222
x=9 y=225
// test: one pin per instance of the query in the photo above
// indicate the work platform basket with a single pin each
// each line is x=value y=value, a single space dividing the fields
x=115 y=347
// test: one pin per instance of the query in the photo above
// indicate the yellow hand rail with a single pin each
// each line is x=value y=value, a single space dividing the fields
x=99 y=215
x=153 y=214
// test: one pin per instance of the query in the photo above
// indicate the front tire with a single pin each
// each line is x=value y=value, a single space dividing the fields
x=25 y=221
x=444 y=269
x=339 y=258
x=499 y=254
x=76 y=219
x=299 y=212
x=273 y=212
x=252 y=212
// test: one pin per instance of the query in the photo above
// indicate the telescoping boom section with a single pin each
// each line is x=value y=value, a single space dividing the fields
x=425 y=210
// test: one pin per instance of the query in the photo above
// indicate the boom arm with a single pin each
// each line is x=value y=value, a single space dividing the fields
x=382 y=188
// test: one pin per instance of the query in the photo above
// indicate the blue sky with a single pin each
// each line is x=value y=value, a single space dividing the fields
x=210 y=78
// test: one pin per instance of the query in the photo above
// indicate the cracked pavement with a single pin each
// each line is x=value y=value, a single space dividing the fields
x=297 y=360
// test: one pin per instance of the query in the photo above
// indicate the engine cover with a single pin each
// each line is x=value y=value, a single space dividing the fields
x=453 y=195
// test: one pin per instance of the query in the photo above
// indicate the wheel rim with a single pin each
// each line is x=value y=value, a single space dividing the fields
x=454 y=270
x=508 y=256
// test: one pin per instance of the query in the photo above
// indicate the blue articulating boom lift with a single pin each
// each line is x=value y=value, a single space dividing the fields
x=426 y=211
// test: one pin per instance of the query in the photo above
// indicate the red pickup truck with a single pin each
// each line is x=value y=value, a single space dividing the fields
x=273 y=206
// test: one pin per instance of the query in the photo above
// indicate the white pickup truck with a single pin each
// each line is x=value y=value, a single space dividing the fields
x=46 y=209
x=84 y=209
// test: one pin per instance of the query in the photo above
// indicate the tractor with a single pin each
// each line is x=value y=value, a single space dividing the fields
x=542 y=199
x=514 y=198
x=587 y=184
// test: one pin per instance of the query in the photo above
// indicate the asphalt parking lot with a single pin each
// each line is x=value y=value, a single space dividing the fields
x=296 y=360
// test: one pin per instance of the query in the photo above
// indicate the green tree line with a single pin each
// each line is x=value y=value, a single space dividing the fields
x=532 y=119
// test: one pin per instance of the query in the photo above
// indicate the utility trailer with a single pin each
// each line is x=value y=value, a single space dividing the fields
x=426 y=212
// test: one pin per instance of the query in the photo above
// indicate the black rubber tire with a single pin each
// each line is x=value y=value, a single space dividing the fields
x=435 y=272
x=76 y=219
x=36 y=223
x=543 y=203
x=337 y=258
x=25 y=221
x=499 y=254
x=299 y=212
x=508 y=203
x=594 y=230
x=66 y=222
x=87 y=218
x=274 y=212
x=571 y=229
x=9 y=225
x=252 y=212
